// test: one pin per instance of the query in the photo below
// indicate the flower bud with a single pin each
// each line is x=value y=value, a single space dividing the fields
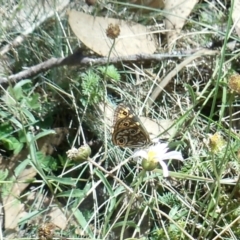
x=216 y=142
x=234 y=83
x=113 y=31
x=149 y=164
x=79 y=155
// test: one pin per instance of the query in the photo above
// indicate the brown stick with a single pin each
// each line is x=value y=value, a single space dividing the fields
x=77 y=59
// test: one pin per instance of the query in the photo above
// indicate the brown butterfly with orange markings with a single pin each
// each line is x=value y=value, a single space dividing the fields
x=128 y=131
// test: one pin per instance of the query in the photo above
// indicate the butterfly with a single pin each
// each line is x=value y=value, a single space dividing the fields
x=128 y=131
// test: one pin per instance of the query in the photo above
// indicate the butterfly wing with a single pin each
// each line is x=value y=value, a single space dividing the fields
x=128 y=130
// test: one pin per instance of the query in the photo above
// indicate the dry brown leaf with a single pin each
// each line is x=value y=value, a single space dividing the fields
x=12 y=207
x=236 y=16
x=60 y=220
x=54 y=213
x=48 y=144
x=13 y=210
x=134 y=38
x=156 y=129
x=158 y=4
x=178 y=11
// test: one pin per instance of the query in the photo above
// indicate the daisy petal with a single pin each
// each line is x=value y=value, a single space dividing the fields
x=161 y=146
x=156 y=140
x=173 y=155
x=164 y=168
x=140 y=153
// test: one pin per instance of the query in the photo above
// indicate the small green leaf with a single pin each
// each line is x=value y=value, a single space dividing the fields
x=5 y=129
x=48 y=163
x=11 y=143
x=44 y=133
x=82 y=221
x=73 y=193
x=30 y=216
x=29 y=115
x=3 y=174
x=110 y=72
x=33 y=101
x=20 y=84
x=65 y=181
x=22 y=166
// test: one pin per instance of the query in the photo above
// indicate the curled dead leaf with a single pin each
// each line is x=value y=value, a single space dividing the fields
x=178 y=12
x=134 y=38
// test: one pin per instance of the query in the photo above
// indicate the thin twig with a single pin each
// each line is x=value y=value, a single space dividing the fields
x=77 y=59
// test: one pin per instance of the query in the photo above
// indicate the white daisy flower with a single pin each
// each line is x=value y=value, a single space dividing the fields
x=156 y=154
